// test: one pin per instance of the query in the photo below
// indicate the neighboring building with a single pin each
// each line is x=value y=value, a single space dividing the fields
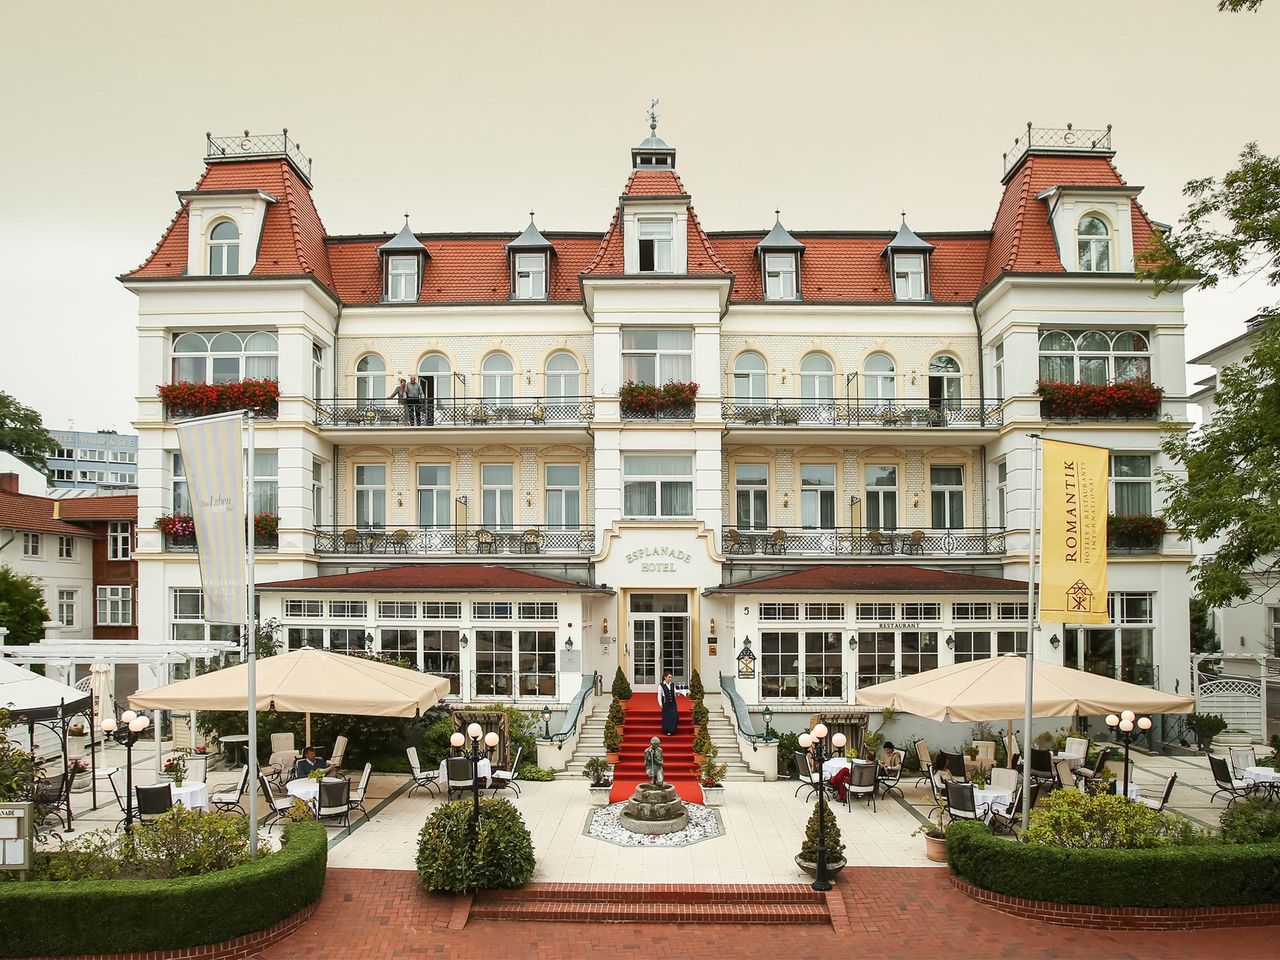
x=104 y=461
x=836 y=478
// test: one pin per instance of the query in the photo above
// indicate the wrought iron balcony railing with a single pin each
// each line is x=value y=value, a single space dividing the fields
x=839 y=412
x=1068 y=139
x=258 y=145
x=473 y=412
x=459 y=539
x=861 y=542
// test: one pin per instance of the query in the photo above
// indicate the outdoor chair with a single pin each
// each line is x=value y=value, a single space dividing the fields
x=420 y=779
x=1065 y=777
x=339 y=751
x=1233 y=788
x=352 y=541
x=888 y=775
x=778 y=542
x=956 y=767
x=276 y=806
x=54 y=794
x=808 y=778
x=879 y=542
x=986 y=758
x=334 y=801
x=504 y=779
x=153 y=801
x=1002 y=778
x=197 y=767
x=862 y=783
x=228 y=800
x=1241 y=759
x=356 y=800
x=400 y=541
x=936 y=784
x=485 y=541
x=960 y=803
x=531 y=542
x=1012 y=751
x=282 y=741
x=941 y=767
x=1077 y=747
x=921 y=748
x=1009 y=819
x=1158 y=805
x=1092 y=773
x=1042 y=771
x=915 y=543
x=460 y=776
x=118 y=788
x=733 y=541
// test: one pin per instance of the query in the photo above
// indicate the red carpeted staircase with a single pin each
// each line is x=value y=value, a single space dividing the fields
x=644 y=720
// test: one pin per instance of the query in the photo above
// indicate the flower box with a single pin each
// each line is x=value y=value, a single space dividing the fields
x=179 y=530
x=189 y=399
x=1135 y=532
x=1128 y=399
x=671 y=401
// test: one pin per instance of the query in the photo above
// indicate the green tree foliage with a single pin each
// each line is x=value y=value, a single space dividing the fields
x=22 y=433
x=16 y=765
x=22 y=607
x=834 y=842
x=1231 y=489
x=1236 y=6
x=1203 y=639
x=454 y=857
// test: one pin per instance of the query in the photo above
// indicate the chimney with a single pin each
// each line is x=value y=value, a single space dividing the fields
x=8 y=483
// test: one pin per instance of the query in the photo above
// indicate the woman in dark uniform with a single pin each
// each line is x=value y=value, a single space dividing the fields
x=667 y=701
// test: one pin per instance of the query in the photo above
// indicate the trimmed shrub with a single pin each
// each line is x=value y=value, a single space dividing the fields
x=612 y=738
x=615 y=712
x=702 y=742
x=835 y=843
x=700 y=714
x=621 y=689
x=57 y=918
x=1068 y=818
x=696 y=690
x=451 y=860
x=1251 y=821
x=1202 y=875
x=536 y=774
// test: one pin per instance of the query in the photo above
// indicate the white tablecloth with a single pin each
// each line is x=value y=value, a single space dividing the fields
x=485 y=770
x=994 y=797
x=193 y=794
x=1075 y=758
x=307 y=789
x=1261 y=775
x=831 y=767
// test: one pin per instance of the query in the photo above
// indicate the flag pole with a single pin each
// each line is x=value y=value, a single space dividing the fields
x=1031 y=629
x=251 y=639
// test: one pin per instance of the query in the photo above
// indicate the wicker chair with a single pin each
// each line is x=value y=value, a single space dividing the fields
x=352 y=541
x=879 y=542
x=485 y=541
x=914 y=543
x=778 y=542
x=531 y=542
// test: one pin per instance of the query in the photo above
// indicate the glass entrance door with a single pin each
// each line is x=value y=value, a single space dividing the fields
x=659 y=638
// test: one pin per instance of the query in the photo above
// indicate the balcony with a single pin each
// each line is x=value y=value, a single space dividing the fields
x=482 y=412
x=862 y=542
x=1126 y=400
x=895 y=415
x=179 y=532
x=536 y=540
x=1134 y=534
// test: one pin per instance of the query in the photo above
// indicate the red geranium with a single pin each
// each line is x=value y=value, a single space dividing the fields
x=1130 y=399
x=674 y=398
x=190 y=399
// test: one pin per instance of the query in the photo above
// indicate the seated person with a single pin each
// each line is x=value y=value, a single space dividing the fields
x=890 y=757
x=308 y=763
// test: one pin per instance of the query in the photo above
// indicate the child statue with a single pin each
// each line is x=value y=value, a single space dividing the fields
x=653 y=761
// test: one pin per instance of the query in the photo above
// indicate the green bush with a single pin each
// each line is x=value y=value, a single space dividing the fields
x=1069 y=818
x=1204 y=875
x=451 y=860
x=702 y=742
x=535 y=773
x=598 y=771
x=696 y=690
x=57 y=918
x=1251 y=821
x=616 y=713
x=621 y=689
x=1205 y=726
x=612 y=738
x=788 y=744
x=700 y=714
x=835 y=843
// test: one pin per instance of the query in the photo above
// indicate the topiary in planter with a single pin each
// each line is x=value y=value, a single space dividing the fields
x=835 y=843
x=612 y=738
x=696 y=690
x=621 y=687
x=453 y=860
x=700 y=714
x=616 y=713
x=702 y=744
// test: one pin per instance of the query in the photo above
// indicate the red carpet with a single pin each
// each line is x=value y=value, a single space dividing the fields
x=644 y=720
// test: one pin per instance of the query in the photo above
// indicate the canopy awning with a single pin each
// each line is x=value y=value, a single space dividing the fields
x=30 y=697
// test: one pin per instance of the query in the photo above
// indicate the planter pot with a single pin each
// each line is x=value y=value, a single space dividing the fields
x=600 y=795
x=935 y=848
x=698 y=758
x=623 y=704
x=1224 y=741
x=82 y=782
x=611 y=757
x=811 y=869
x=713 y=796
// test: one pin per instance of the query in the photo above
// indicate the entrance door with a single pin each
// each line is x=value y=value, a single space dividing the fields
x=659 y=638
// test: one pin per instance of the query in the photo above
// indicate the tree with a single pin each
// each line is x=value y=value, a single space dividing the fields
x=1203 y=639
x=1235 y=6
x=22 y=607
x=22 y=433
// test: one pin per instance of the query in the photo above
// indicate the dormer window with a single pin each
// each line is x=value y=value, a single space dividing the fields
x=1093 y=245
x=224 y=249
x=908 y=276
x=402 y=279
x=655 y=246
x=780 y=276
x=531 y=276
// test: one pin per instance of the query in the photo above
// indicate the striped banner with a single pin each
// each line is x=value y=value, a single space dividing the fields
x=213 y=455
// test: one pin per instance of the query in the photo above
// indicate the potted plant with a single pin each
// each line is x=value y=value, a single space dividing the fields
x=935 y=837
x=696 y=689
x=175 y=768
x=712 y=779
x=700 y=716
x=617 y=714
x=597 y=770
x=807 y=859
x=621 y=689
x=82 y=782
x=702 y=746
x=76 y=734
x=612 y=741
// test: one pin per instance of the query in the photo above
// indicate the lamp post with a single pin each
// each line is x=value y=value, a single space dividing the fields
x=134 y=724
x=475 y=755
x=823 y=750
x=546 y=721
x=767 y=716
x=1123 y=727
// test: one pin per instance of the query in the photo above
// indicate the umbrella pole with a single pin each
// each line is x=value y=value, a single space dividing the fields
x=1008 y=754
x=251 y=642
x=307 y=739
x=1031 y=627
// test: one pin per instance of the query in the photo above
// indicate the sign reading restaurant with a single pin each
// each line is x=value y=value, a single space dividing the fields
x=659 y=559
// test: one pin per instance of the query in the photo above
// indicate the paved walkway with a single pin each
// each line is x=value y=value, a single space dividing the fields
x=893 y=912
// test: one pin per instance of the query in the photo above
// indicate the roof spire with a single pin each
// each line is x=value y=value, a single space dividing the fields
x=653 y=152
x=653 y=118
x=779 y=238
x=403 y=242
x=906 y=240
x=531 y=239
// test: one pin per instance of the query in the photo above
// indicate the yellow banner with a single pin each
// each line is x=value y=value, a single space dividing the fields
x=1073 y=544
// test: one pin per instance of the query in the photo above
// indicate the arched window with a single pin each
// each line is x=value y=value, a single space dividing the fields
x=879 y=382
x=817 y=378
x=1057 y=357
x=371 y=379
x=498 y=379
x=944 y=382
x=224 y=249
x=750 y=380
x=434 y=370
x=1093 y=243
x=1131 y=356
x=260 y=358
x=225 y=357
x=190 y=358
x=1094 y=356
x=563 y=379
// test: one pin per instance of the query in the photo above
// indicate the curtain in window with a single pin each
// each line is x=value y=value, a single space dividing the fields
x=677 y=499
x=265 y=484
x=640 y=498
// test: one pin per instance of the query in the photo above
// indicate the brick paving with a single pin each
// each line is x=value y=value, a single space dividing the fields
x=888 y=912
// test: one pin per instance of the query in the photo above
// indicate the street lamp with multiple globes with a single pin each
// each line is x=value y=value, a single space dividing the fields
x=475 y=755
x=1123 y=727
x=134 y=724
x=823 y=750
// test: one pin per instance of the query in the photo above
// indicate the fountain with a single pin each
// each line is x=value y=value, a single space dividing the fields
x=655 y=807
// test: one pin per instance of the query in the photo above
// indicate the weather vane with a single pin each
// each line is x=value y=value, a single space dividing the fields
x=653 y=116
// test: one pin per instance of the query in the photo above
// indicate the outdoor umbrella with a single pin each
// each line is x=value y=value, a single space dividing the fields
x=304 y=681
x=992 y=689
x=100 y=687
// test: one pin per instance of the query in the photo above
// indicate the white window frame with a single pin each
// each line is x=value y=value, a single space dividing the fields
x=498 y=382
x=998 y=352
x=117 y=604
x=66 y=547
x=498 y=496
x=303 y=608
x=65 y=475
x=670 y=363
x=371 y=379
x=224 y=251
x=1118 y=483
x=817 y=377
x=67 y=602
x=1092 y=246
x=750 y=378
x=780 y=276
x=397 y=610
x=199 y=356
x=99 y=456
x=908 y=276
x=753 y=494
x=878 y=384
x=952 y=498
x=1002 y=493
x=437 y=368
x=317 y=491
x=660 y=482
x=348 y=609
x=563 y=376
x=442 y=610
x=317 y=372
x=659 y=234
x=818 y=496
x=531 y=276
x=438 y=495
x=370 y=496
x=563 y=499
x=881 y=495
x=402 y=279
x=31 y=545
x=1117 y=362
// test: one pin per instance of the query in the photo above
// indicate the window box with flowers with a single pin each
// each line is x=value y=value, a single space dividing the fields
x=644 y=401
x=1138 y=533
x=189 y=399
x=179 y=531
x=1125 y=400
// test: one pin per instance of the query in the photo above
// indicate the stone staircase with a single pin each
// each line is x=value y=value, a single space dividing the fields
x=591 y=742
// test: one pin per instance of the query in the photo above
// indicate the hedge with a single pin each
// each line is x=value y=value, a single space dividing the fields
x=1197 y=875
x=53 y=918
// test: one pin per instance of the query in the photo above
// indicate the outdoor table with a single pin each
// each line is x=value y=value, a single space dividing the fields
x=993 y=797
x=193 y=794
x=833 y=766
x=1265 y=777
x=304 y=788
x=485 y=770
x=1075 y=758
x=238 y=742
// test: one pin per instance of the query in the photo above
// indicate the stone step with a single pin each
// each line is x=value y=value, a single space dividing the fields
x=790 y=903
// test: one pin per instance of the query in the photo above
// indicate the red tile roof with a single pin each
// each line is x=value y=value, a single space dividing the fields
x=654 y=183
x=434 y=578
x=872 y=579
x=19 y=511
x=123 y=507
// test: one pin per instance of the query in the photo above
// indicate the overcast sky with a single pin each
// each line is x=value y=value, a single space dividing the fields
x=466 y=114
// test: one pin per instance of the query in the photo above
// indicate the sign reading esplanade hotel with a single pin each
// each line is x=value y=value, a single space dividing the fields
x=669 y=442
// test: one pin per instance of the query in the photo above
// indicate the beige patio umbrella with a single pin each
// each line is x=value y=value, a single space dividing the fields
x=993 y=689
x=304 y=681
x=100 y=687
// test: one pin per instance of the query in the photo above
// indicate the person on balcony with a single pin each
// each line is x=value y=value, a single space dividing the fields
x=398 y=394
x=414 y=399
x=667 y=703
